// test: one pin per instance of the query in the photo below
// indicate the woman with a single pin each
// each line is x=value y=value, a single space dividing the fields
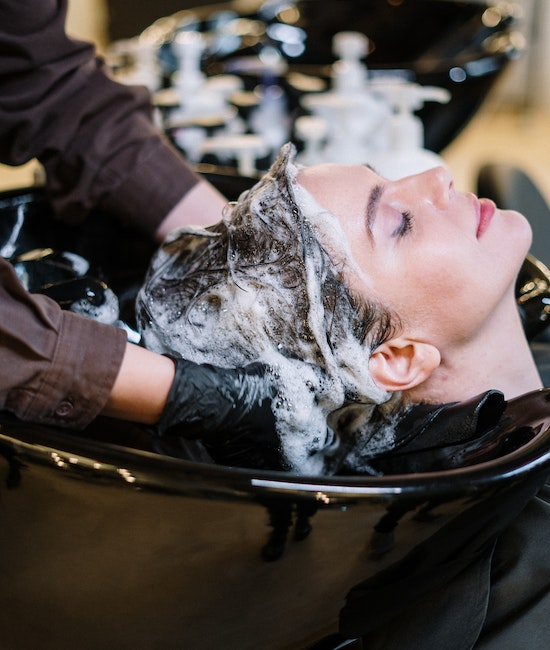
x=353 y=290
x=447 y=263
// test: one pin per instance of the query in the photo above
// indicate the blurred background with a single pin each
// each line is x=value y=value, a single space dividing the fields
x=513 y=125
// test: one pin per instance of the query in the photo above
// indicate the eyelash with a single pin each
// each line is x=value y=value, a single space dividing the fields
x=405 y=226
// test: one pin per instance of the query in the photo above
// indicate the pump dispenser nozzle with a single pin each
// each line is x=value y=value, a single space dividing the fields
x=406 y=154
x=354 y=116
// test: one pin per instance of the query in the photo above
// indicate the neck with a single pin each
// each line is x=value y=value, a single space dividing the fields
x=498 y=357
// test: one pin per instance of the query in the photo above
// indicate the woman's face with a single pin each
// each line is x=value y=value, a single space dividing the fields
x=442 y=260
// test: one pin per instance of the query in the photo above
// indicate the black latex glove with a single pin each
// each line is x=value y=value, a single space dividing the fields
x=229 y=410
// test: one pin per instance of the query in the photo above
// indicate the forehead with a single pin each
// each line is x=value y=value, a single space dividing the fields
x=327 y=171
x=341 y=189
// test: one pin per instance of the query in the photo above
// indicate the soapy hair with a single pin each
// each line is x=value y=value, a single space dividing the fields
x=267 y=283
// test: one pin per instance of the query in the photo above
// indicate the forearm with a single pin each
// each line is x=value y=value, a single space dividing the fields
x=141 y=387
x=202 y=206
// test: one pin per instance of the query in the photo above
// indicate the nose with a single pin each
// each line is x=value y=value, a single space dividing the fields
x=434 y=185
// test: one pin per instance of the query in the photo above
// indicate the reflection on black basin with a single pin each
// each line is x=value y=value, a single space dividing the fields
x=104 y=545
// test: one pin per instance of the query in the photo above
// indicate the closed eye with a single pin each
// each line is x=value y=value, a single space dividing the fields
x=405 y=225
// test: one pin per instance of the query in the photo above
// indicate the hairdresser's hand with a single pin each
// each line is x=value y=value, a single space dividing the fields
x=229 y=410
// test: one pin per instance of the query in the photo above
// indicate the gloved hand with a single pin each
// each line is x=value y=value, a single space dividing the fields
x=229 y=410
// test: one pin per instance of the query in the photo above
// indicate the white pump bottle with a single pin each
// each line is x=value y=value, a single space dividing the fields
x=406 y=154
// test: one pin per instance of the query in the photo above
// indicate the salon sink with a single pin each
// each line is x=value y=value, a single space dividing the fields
x=105 y=543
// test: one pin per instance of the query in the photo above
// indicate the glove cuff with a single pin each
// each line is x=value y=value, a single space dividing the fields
x=195 y=402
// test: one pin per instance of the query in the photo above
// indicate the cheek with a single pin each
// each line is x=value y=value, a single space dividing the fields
x=464 y=289
x=437 y=280
x=433 y=281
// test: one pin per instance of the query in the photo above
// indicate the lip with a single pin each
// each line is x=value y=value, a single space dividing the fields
x=486 y=210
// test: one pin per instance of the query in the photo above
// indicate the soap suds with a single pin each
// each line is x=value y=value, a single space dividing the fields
x=261 y=286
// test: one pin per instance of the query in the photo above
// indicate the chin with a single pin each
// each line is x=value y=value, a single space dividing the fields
x=521 y=231
x=513 y=241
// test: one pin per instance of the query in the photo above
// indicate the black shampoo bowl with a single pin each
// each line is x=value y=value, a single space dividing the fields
x=106 y=545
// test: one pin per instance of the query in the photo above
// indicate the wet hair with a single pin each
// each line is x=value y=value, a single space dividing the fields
x=267 y=283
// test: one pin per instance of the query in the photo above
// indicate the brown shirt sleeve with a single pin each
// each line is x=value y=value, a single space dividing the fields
x=94 y=136
x=100 y=148
x=56 y=367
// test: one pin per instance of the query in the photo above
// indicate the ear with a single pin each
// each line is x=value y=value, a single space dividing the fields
x=402 y=363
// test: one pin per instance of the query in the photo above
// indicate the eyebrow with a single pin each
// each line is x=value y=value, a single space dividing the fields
x=372 y=204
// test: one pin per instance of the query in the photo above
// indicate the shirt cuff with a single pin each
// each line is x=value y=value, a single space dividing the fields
x=75 y=387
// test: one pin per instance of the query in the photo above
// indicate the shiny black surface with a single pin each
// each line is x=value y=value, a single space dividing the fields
x=533 y=295
x=103 y=545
